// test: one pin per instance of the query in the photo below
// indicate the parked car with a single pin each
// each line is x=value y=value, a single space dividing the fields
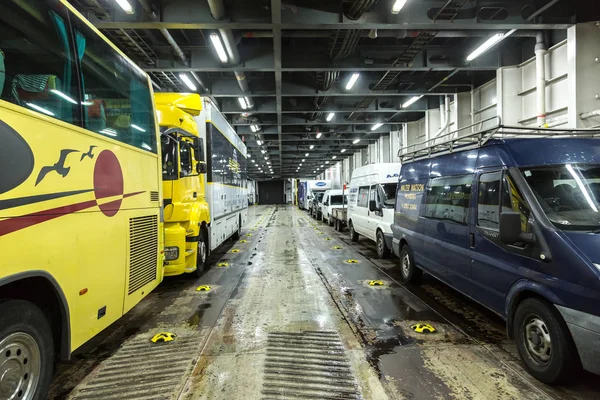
x=371 y=206
x=513 y=225
x=331 y=200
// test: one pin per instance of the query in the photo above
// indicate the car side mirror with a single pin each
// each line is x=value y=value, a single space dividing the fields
x=201 y=168
x=510 y=229
x=372 y=205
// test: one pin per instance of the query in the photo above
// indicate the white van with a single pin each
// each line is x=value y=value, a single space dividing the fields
x=371 y=201
x=331 y=200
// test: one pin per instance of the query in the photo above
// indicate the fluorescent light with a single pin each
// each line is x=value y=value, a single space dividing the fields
x=343 y=151
x=109 y=132
x=305 y=154
x=266 y=157
x=259 y=142
x=319 y=135
x=216 y=41
x=247 y=100
x=124 y=4
x=242 y=103
x=312 y=146
x=304 y=159
x=254 y=161
x=187 y=82
x=352 y=80
x=326 y=162
x=64 y=96
x=330 y=116
x=138 y=128
x=87 y=103
x=300 y=164
x=147 y=147
x=376 y=126
x=488 y=44
x=40 y=109
x=355 y=141
x=263 y=151
x=410 y=101
x=398 y=4
x=334 y=157
x=254 y=128
x=322 y=166
x=268 y=162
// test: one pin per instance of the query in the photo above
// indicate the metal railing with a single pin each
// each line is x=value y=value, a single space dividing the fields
x=455 y=140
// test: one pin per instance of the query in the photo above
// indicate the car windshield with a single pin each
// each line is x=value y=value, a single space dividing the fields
x=569 y=194
x=337 y=200
x=389 y=194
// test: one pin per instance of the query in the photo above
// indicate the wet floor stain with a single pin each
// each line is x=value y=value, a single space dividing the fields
x=196 y=318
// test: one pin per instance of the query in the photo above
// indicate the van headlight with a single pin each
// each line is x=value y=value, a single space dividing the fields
x=171 y=253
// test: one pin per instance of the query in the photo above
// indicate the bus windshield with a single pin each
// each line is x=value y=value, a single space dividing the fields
x=569 y=194
x=389 y=194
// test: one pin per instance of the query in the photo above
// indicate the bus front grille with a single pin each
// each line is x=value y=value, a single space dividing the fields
x=143 y=251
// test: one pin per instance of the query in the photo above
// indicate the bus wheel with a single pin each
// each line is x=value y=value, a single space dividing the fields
x=409 y=272
x=382 y=250
x=353 y=234
x=544 y=342
x=26 y=351
x=202 y=253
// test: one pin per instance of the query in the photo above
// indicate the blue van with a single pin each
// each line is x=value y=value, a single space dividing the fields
x=515 y=225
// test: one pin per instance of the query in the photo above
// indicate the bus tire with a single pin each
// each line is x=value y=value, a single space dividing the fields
x=353 y=234
x=26 y=344
x=202 y=253
x=544 y=342
x=409 y=272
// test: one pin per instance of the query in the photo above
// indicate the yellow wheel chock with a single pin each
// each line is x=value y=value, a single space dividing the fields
x=203 y=288
x=327 y=238
x=235 y=250
x=337 y=247
x=163 y=337
x=248 y=234
x=423 y=328
x=376 y=283
x=243 y=241
x=352 y=261
x=223 y=264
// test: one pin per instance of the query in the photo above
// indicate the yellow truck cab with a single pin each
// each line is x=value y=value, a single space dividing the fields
x=186 y=211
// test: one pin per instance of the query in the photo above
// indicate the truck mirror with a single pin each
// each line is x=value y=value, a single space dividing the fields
x=372 y=205
x=201 y=168
x=510 y=229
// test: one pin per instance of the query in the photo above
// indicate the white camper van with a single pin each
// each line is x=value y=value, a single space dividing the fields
x=371 y=200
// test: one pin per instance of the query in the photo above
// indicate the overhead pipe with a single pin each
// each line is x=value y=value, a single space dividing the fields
x=591 y=114
x=445 y=114
x=217 y=9
x=387 y=33
x=540 y=76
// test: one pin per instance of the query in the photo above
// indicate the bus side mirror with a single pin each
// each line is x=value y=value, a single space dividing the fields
x=372 y=205
x=510 y=229
x=201 y=167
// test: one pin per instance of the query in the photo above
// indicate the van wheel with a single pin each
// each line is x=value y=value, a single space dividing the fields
x=26 y=351
x=353 y=234
x=202 y=253
x=409 y=272
x=382 y=250
x=544 y=342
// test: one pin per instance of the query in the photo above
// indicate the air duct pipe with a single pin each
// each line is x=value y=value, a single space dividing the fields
x=540 y=76
x=175 y=46
x=444 y=115
x=217 y=9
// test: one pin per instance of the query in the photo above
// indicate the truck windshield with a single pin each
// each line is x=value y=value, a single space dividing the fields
x=319 y=196
x=389 y=194
x=169 y=157
x=337 y=200
x=569 y=194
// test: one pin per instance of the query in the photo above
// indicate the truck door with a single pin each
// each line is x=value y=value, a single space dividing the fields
x=495 y=265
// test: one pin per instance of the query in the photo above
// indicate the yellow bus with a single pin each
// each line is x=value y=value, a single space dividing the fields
x=80 y=189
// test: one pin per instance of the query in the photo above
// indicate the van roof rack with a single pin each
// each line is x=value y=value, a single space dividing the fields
x=459 y=140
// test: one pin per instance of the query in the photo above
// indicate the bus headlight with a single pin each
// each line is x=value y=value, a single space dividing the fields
x=171 y=253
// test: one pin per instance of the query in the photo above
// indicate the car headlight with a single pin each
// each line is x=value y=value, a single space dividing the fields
x=171 y=253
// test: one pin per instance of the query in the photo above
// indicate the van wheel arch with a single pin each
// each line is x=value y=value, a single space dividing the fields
x=49 y=298
x=514 y=304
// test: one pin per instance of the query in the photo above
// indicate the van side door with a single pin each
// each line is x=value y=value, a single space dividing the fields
x=373 y=217
x=494 y=265
x=362 y=207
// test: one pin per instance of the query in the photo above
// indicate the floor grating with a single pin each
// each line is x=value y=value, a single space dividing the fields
x=307 y=365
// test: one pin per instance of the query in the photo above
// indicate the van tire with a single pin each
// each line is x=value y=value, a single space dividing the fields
x=202 y=261
x=383 y=251
x=534 y=317
x=409 y=272
x=24 y=327
x=353 y=234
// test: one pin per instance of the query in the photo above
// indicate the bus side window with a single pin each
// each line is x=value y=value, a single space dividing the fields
x=37 y=63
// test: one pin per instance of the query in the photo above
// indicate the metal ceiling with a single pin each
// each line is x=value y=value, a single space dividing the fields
x=293 y=58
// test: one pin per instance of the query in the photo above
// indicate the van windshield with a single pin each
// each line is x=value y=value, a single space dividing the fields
x=389 y=194
x=337 y=200
x=569 y=194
